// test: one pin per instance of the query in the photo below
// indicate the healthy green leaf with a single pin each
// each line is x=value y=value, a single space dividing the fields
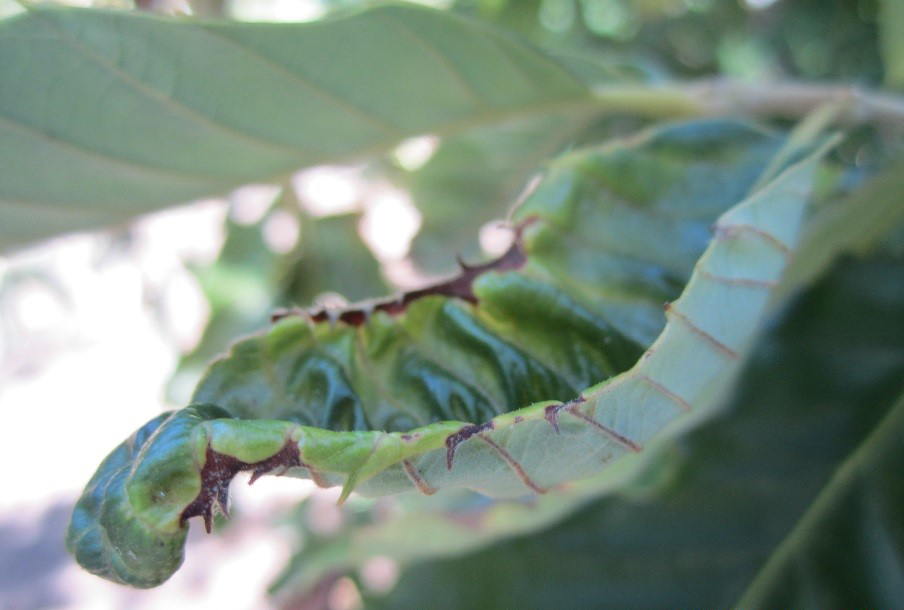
x=576 y=301
x=117 y=113
x=891 y=36
x=861 y=510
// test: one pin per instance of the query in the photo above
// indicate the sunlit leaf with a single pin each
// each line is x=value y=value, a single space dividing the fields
x=116 y=113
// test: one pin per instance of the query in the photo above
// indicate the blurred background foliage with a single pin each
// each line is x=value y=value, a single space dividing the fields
x=751 y=39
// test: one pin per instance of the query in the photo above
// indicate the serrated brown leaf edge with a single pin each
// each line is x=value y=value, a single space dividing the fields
x=460 y=286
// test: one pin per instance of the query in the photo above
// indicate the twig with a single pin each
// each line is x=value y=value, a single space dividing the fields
x=733 y=98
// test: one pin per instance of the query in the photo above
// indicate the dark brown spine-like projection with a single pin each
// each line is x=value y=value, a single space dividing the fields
x=219 y=470
x=460 y=286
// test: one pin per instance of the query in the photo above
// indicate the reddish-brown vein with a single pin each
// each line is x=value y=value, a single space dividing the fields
x=707 y=338
x=737 y=281
x=551 y=413
x=624 y=440
x=466 y=432
x=513 y=464
x=724 y=231
x=417 y=479
x=685 y=405
x=218 y=472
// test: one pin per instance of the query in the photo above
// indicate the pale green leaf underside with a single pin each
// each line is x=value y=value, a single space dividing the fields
x=113 y=113
x=694 y=529
x=607 y=246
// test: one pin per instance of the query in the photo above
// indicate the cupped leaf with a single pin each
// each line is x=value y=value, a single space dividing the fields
x=366 y=401
x=854 y=294
x=109 y=537
x=603 y=249
x=118 y=113
x=800 y=474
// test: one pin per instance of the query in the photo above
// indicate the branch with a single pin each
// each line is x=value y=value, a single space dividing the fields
x=789 y=100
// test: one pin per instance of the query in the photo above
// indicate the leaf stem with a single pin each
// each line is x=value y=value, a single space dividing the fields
x=788 y=100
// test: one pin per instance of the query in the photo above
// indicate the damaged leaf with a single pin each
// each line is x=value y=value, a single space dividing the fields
x=517 y=376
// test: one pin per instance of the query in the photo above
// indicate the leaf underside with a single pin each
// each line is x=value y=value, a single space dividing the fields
x=373 y=405
x=122 y=113
x=790 y=498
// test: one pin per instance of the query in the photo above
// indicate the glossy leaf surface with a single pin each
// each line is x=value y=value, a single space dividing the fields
x=575 y=303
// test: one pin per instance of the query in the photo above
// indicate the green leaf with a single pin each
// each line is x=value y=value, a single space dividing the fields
x=850 y=223
x=474 y=179
x=249 y=280
x=460 y=523
x=801 y=473
x=121 y=113
x=417 y=528
x=861 y=510
x=891 y=37
x=108 y=536
x=574 y=303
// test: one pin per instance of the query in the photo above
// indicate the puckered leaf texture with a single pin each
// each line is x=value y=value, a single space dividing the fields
x=539 y=369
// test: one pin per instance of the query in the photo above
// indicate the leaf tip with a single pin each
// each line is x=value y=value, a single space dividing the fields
x=217 y=473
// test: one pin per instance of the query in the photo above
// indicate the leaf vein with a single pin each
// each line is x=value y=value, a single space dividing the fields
x=316 y=88
x=81 y=149
x=513 y=464
x=167 y=101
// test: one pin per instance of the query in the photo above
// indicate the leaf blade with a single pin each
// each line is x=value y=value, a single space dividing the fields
x=858 y=510
x=265 y=375
x=696 y=529
x=124 y=113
